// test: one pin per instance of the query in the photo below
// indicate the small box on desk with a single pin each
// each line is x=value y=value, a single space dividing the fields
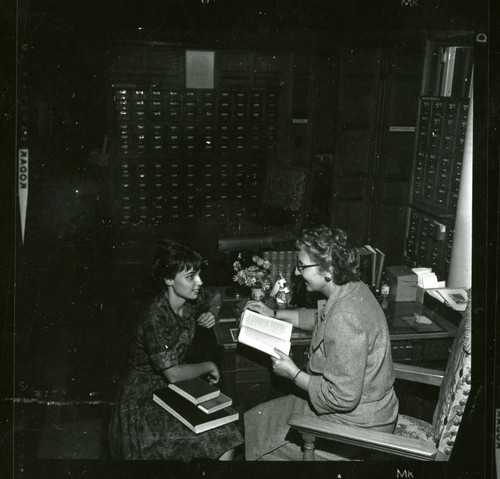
x=420 y=294
x=402 y=283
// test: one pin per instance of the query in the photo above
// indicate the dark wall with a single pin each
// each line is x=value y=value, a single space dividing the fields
x=61 y=58
x=64 y=54
x=60 y=65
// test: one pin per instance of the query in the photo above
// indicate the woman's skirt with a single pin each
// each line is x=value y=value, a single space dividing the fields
x=141 y=429
x=269 y=437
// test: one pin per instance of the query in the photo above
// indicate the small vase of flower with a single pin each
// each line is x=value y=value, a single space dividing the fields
x=255 y=276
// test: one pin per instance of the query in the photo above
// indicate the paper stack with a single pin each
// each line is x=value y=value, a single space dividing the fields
x=426 y=280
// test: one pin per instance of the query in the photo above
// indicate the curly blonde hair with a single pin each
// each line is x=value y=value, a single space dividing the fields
x=330 y=249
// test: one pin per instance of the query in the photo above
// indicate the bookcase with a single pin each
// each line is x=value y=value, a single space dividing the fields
x=439 y=146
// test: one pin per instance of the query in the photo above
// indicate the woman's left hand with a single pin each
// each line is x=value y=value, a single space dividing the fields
x=284 y=366
x=206 y=320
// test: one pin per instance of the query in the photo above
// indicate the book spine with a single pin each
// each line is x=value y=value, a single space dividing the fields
x=380 y=269
x=447 y=83
x=439 y=72
x=374 y=266
x=365 y=265
x=221 y=422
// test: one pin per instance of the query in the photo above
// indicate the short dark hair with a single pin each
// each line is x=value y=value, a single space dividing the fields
x=172 y=258
x=331 y=249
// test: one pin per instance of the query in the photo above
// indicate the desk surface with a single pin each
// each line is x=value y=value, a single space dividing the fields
x=400 y=320
x=402 y=324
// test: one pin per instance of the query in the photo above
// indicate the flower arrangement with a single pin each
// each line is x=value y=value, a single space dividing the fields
x=254 y=276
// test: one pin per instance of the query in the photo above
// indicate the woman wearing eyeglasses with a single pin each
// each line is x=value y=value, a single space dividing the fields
x=349 y=377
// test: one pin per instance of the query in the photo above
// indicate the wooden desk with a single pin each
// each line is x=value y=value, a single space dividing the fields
x=247 y=376
x=418 y=342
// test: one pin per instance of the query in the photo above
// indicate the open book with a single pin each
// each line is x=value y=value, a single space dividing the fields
x=264 y=333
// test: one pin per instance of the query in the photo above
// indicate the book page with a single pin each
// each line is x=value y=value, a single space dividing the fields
x=274 y=327
x=262 y=341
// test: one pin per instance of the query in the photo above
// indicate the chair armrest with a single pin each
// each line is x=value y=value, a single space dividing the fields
x=419 y=374
x=357 y=436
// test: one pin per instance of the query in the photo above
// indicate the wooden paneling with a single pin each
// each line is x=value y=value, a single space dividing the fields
x=356 y=134
x=392 y=174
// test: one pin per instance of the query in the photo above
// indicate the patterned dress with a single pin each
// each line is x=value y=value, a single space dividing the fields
x=140 y=428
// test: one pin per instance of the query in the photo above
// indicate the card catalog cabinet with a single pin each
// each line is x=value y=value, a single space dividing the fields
x=183 y=154
x=440 y=141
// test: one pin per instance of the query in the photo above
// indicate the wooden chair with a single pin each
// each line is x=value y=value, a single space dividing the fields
x=412 y=438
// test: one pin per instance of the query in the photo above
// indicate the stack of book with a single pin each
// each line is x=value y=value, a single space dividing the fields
x=199 y=405
x=371 y=264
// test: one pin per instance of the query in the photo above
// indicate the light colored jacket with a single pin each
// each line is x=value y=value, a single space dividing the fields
x=350 y=358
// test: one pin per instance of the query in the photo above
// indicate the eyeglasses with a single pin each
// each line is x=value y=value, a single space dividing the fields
x=301 y=267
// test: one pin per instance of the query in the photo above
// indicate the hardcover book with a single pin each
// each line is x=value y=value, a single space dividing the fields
x=216 y=404
x=365 y=265
x=264 y=333
x=190 y=415
x=448 y=68
x=380 y=267
x=373 y=276
x=195 y=390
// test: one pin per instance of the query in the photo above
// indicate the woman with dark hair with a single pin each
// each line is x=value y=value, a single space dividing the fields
x=349 y=376
x=139 y=428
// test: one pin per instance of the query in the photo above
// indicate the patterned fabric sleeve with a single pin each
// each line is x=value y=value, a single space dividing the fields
x=161 y=338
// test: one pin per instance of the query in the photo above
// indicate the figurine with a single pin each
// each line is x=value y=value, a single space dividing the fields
x=281 y=293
